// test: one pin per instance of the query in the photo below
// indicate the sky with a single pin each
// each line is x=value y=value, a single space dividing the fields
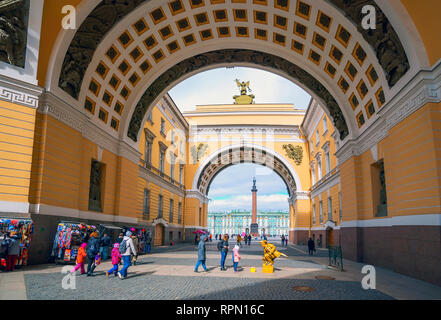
x=218 y=86
x=231 y=188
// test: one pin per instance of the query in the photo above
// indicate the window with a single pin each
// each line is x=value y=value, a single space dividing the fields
x=313 y=174
x=180 y=213
x=170 y=214
x=161 y=161
x=160 y=212
x=329 y=208
x=325 y=126
x=162 y=126
x=328 y=162
x=317 y=136
x=379 y=195
x=339 y=202
x=312 y=146
x=148 y=151
x=172 y=165
x=181 y=173
x=146 y=205
x=321 y=211
x=181 y=147
x=313 y=214
x=173 y=137
x=150 y=117
x=319 y=168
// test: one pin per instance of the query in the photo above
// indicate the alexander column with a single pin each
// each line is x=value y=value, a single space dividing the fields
x=254 y=225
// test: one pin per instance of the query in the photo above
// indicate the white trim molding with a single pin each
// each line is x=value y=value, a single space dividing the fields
x=14 y=207
x=196 y=194
x=49 y=210
x=19 y=92
x=411 y=220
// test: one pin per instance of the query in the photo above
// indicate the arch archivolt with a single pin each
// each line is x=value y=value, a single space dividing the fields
x=151 y=39
x=245 y=153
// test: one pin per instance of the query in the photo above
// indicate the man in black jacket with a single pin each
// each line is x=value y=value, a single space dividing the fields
x=92 y=250
x=104 y=246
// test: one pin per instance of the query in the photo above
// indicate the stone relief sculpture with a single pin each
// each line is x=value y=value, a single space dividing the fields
x=384 y=40
x=87 y=38
x=234 y=56
x=294 y=153
x=13 y=31
x=198 y=152
x=95 y=187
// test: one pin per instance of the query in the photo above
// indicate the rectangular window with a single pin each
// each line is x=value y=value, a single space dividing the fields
x=146 y=205
x=162 y=126
x=325 y=126
x=161 y=161
x=148 y=151
x=317 y=135
x=170 y=214
x=319 y=168
x=339 y=201
x=328 y=162
x=321 y=211
x=313 y=214
x=172 y=166
x=312 y=146
x=379 y=195
x=313 y=174
x=180 y=213
x=329 y=208
x=160 y=212
x=181 y=174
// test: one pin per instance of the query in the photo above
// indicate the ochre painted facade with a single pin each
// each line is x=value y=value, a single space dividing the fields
x=48 y=139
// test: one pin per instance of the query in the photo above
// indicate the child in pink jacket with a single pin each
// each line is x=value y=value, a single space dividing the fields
x=236 y=257
x=116 y=259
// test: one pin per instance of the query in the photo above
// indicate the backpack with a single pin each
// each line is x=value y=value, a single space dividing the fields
x=6 y=243
x=92 y=250
x=123 y=247
x=219 y=245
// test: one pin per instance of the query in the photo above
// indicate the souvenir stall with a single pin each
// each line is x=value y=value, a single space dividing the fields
x=68 y=239
x=112 y=231
x=24 y=229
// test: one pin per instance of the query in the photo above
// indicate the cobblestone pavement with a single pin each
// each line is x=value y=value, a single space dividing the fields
x=168 y=275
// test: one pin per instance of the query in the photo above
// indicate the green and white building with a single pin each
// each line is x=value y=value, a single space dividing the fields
x=236 y=222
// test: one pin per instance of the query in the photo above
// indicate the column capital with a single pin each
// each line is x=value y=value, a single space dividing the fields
x=299 y=195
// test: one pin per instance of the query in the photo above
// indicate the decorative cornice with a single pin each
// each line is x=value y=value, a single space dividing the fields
x=71 y=116
x=154 y=178
x=196 y=194
x=326 y=183
x=19 y=92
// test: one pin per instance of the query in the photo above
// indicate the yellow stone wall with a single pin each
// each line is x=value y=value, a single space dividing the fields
x=16 y=147
x=411 y=154
x=324 y=137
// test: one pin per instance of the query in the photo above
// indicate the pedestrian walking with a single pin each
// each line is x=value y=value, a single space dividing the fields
x=92 y=250
x=201 y=254
x=249 y=239
x=239 y=241
x=126 y=248
x=81 y=258
x=133 y=257
x=148 y=242
x=120 y=238
x=283 y=240
x=224 y=251
x=236 y=257
x=104 y=246
x=116 y=259
x=311 y=246
x=13 y=251
x=286 y=240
